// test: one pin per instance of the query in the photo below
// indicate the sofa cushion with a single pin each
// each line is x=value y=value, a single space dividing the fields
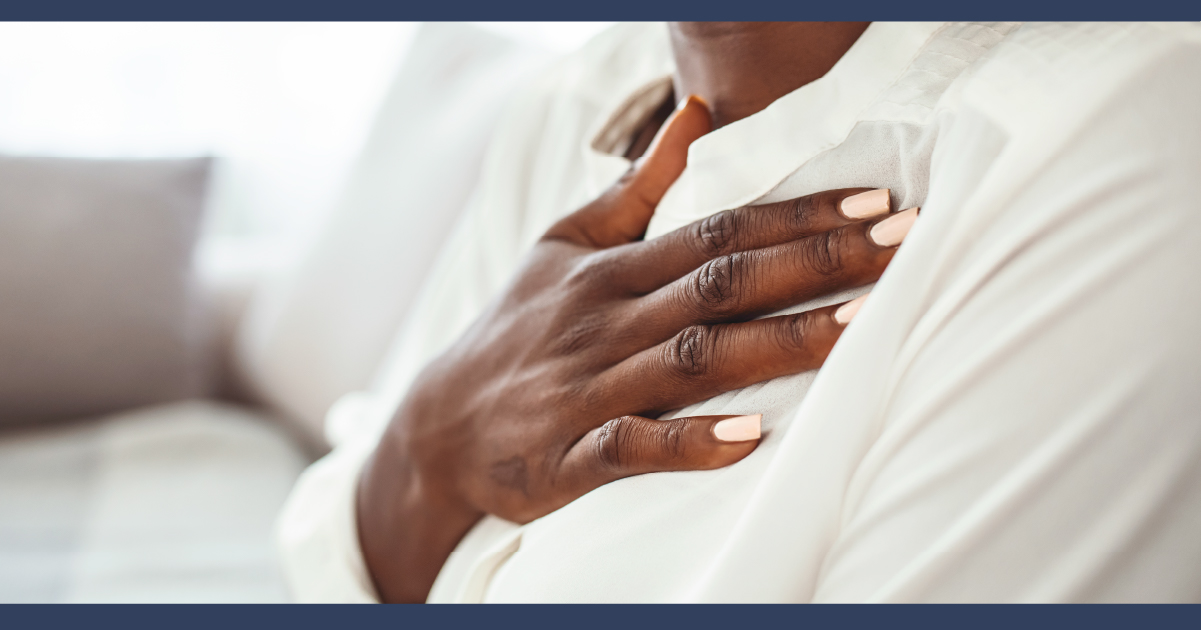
x=170 y=503
x=322 y=330
x=99 y=309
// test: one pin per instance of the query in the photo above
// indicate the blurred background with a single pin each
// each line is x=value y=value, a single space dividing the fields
x=284 y=106
x=209 y=234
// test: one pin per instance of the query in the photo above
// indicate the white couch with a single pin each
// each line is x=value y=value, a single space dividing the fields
x=176 y=501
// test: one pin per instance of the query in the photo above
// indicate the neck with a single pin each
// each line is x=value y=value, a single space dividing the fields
x=740 y=68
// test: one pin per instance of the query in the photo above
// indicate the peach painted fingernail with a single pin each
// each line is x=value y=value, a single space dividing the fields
x=866 y=204
x=740 y=429
x=892 y=231
x=847 y=312
x=691 y=97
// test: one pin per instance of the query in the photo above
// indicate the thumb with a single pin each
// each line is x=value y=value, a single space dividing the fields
x=632 y=445
x=622 y=213
x=666 y=157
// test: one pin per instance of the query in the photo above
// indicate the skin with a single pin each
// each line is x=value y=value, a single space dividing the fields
x=739 y=68
x=552 y=391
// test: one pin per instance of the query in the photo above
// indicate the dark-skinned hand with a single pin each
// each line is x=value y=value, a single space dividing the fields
x=552 y=392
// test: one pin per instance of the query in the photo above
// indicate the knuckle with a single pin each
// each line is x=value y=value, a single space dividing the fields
x=690 y=352
x=623 y=445
x=799 y=213
x=591 y=271
x=715 y=284
x=715 y=233
x=822 y=253
x=579 y=333
x=795 y=331
x=610 y=443
x=673 y=440
x=588 y=396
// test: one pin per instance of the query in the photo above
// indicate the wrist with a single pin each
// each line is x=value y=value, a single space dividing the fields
x=407 y=523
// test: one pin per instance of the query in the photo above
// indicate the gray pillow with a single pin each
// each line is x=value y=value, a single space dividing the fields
x=100 y=309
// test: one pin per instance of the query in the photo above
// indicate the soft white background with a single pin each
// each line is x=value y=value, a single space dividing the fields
x=284 y=106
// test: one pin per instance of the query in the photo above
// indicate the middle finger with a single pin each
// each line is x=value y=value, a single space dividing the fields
x=661 y=260
x=746 y=285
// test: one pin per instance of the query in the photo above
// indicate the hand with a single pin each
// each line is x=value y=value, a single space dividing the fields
x=549 y=394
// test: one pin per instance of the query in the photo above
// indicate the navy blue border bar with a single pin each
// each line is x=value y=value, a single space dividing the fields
x=304 y=10
x=621 y=617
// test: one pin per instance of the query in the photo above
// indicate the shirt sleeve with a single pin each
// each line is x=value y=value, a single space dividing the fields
x=317 y=531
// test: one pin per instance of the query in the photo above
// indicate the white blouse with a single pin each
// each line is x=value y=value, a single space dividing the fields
x=1013 y=415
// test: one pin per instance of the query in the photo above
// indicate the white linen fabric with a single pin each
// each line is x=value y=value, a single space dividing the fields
x=1011 y=417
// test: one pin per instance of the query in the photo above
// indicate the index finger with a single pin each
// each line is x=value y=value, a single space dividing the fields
x=659 y=261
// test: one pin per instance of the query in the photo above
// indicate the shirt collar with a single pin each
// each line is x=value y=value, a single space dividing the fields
x=739 y=163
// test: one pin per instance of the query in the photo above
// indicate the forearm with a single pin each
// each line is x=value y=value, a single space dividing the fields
x=407 y=529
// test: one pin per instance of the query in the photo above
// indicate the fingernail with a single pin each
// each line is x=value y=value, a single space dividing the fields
x=892 y=231
x=847 y=312
x=740 y=429
x=866 y=204
x=690 y=98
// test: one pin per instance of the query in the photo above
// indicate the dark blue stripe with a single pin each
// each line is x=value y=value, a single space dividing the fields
x=622 y=617
x=599 y=10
